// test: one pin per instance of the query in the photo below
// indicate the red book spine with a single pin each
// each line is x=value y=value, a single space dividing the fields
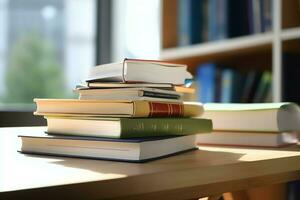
x=165 y=110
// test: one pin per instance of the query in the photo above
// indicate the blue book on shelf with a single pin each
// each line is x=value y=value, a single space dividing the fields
x=217 y=19
x=226 y=85
x=206 y=74
x=190 y=14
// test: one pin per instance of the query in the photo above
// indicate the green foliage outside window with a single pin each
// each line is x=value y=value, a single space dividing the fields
x=34 y=71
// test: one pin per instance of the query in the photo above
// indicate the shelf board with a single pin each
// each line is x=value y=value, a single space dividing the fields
x=228 y=46
x=290 y=34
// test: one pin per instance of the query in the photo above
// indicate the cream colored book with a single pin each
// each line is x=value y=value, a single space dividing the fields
x=268 y=117
x=116 y=108
x=255 y=139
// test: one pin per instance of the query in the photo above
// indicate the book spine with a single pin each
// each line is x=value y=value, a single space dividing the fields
x=206 y=74
x=227 y=78
x=147 y=127
x=162 y=109
x=169 y=110
x=184 y=22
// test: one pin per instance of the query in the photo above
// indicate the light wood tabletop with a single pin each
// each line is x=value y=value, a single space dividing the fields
x=204 y=172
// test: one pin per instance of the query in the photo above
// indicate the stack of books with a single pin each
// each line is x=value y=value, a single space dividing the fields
x=130 y=111
x=257 y=124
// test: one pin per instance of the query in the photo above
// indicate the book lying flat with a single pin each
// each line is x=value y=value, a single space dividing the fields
x=255 y=139
x=111 y=85
x=127 y=85
x=269 y=117
x=127 y=127
x=140 y=71
x=132 y=150
x=117 y=108
x=149 y=94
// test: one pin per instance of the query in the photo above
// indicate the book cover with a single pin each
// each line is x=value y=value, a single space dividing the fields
x=127 y=127
x=128 y=150
x=117 y=108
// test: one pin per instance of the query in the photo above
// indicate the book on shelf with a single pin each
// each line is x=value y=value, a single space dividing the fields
x=210 y=20
x=217 y=19
x=291 y=71
x=150 y=94
x=190 y=24
x=232 y=85
x=131 y=150
x=117 y=108
x=252 y=139
x=206 y=75
x=262 y=117
x=217 y=83
x=251 y=83
x=263 y=88
x=127 y=127
x=140 y=71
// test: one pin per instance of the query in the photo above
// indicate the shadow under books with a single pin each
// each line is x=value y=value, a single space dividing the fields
x=195 y=158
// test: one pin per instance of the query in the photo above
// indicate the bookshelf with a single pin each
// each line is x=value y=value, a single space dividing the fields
x=259 y=50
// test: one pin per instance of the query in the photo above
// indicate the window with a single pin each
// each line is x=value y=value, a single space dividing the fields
x=46 y=48
x=136 y=29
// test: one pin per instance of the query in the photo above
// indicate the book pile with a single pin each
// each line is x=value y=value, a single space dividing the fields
x=259 y=125
x=126 y=111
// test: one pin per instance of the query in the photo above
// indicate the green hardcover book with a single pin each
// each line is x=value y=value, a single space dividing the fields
x=127 y=127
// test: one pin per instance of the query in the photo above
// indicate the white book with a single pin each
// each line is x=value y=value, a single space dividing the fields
x=140 y=71
x=255 y=139
x=268 y=117
x=150 y=94
x=132 y=150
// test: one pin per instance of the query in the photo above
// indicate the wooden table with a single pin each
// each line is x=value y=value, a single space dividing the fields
x=205 y=172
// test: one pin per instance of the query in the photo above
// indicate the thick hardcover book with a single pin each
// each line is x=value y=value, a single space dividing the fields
x=254 y=139
x=261 y=117
x=117 y=108
x=127 y=127
x=152 y=94
x=140 y=71
x=130 y=150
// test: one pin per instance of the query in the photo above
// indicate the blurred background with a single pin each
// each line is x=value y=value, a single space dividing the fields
x=238 y=51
